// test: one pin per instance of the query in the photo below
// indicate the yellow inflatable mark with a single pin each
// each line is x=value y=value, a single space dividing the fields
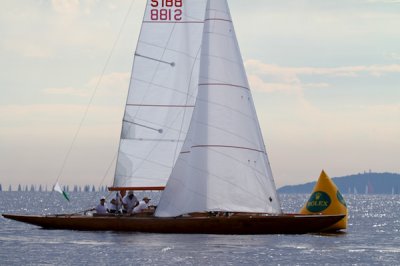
x=326 y=199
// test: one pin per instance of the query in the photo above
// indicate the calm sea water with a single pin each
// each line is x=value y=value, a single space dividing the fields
x=373 y=238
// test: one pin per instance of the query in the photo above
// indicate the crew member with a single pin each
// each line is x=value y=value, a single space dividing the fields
x=129 y=202
x=143 y=204
x=102 y=207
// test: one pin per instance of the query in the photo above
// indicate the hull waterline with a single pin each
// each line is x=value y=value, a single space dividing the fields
x=274 y=224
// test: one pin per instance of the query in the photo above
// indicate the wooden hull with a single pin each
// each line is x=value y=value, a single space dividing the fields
x=241 y=224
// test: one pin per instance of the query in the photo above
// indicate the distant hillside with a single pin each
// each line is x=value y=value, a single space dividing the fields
x=365 y=183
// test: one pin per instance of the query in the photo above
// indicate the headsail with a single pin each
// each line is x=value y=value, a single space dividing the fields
x=162 y=92
x=223 y=165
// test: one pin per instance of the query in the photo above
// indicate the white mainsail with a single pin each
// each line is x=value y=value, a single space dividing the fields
x=223 y=165
x=162 y=92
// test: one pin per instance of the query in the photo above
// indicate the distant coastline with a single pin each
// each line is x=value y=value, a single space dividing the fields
x=362 y=183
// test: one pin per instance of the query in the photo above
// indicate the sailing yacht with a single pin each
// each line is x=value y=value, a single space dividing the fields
x=190 y=129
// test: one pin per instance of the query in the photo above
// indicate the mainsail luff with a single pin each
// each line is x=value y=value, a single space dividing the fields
x=162 y=93
x=223 y=165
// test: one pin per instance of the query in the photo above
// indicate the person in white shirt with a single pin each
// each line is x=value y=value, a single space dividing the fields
x=129 y=202
x=143 y=204
x=102 y=207
x=115 y=204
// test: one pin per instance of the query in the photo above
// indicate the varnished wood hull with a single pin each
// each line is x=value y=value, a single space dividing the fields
x=242 y=224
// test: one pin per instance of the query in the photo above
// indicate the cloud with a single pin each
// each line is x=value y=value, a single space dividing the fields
x=110 y=84
x=269 y=77
x=66 y=7
x=26 y=49
x=20 y=120
x=67 y=91
x=21 y=111
x=382 y=109
x=76 y=7
x=316 y=85
x=258 y=84
x=393 y=56
x=384 y=1
x=346 y=71
x=114 y=82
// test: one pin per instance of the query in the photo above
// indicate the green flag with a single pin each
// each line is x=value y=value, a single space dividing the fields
x=57 y=188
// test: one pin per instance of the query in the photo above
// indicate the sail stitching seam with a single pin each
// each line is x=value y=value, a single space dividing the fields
x=160 y=105
x=161 y=86
x=227 y=146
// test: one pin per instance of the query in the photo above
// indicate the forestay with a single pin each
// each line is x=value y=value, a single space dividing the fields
x=162 y=92
x=223 y=165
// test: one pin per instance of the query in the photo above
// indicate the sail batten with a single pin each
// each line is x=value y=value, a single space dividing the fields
x=226 y=146
x=224 y=84
x=219 y=19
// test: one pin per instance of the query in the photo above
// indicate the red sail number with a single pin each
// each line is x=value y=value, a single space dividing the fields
x=166 y=10
x=166 y=3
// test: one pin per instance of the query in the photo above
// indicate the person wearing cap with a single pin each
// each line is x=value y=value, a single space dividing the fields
x=129 y=202
x=143 y=204
x=102 y=207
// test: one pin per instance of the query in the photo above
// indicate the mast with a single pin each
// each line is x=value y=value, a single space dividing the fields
x=223 y=165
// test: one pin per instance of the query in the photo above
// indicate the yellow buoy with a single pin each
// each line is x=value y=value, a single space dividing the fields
x=326 y=199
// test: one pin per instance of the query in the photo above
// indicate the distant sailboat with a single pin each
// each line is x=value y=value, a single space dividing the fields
x=370 y=188
x=190 y=125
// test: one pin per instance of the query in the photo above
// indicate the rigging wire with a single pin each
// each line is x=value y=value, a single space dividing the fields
x=93 y=95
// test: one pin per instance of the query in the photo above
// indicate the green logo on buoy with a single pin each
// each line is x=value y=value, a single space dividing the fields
x=318 y=201
x=341 y=199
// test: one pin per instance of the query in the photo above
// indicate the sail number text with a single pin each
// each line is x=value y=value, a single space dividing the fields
x=166 y=10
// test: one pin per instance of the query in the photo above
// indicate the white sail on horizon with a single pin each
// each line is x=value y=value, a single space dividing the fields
x=223 y=165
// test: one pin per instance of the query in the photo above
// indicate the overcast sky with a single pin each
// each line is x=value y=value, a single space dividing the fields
x=325 y=77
